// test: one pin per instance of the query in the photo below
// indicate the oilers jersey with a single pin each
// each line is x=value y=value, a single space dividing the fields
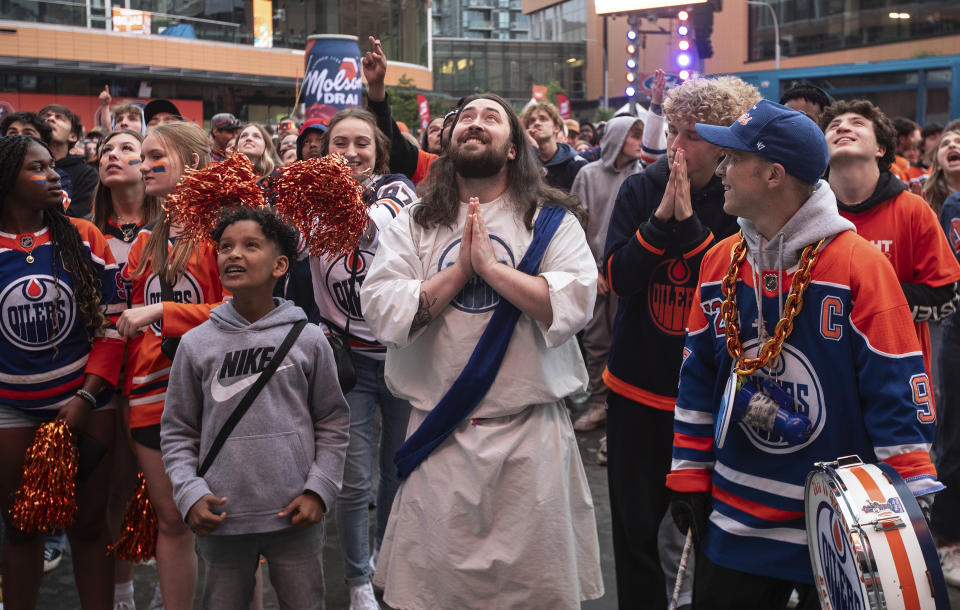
x=852 y=365
x=334 y=297
x=195 y=293
x=47 y=350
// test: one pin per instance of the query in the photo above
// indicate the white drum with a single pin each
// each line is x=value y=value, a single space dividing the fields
x=869 y=542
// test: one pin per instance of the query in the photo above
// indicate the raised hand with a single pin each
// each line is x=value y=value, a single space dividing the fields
x=104 y=96
x=683 y=206
x=374 y=66
x=481 y=250
x=659 y=85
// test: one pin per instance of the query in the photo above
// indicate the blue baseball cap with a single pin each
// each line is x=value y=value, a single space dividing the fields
x=777 y=134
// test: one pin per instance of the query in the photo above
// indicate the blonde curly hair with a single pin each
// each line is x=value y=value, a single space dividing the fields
x=714 y=101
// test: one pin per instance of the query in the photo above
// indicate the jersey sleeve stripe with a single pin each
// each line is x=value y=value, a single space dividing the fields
x=881 y=352
x=73 y=367
x=151 y=376
x=698 y=443
x=146 y=400
x=688 y=480
x=689 y=416
x=912 y=464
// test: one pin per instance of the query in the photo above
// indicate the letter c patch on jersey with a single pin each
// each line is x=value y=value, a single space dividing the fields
x=831 y=318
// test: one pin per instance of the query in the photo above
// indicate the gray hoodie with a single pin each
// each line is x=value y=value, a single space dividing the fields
x=292 y=439
x=598 y=183
x=817 y=218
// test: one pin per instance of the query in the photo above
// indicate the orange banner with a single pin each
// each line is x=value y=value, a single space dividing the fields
x=539 y=93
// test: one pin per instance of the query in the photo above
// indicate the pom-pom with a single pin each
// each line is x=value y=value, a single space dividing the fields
x=138 y=540
x=201 y=194
x=47 y=497
x=324 y=202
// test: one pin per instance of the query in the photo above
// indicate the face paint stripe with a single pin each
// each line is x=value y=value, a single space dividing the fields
x=38 y=179
x=158 y=168
x=133 y=161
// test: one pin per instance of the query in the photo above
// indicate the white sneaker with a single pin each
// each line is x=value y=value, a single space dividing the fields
x=124 y=604
x=591 y=419
x=950 y=560
x=602 y=452
x=362 y=598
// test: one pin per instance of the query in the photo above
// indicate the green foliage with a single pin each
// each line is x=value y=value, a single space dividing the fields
x=553 y=89
x=603 y=113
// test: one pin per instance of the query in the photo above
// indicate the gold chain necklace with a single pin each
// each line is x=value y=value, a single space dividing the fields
x=728 y=309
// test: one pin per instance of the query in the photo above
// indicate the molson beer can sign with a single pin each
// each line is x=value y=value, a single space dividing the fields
x=331 y=79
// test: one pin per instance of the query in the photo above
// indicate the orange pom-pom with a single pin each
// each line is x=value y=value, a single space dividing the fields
x=201 y=194
x=47 y=497
x=324 y=202
x=138 y=540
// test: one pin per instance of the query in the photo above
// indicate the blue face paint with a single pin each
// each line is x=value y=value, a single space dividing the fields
x=38 y=180
x=134 y=161
x=158 y=168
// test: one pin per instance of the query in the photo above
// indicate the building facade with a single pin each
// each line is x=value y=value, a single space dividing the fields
x=194 y=50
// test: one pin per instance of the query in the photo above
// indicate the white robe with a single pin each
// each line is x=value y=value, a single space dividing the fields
x=500 y=515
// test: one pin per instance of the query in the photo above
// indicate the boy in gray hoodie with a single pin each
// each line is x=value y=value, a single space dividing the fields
x=268 y=488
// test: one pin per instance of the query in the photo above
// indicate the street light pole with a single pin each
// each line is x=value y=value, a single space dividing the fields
x=776 y=28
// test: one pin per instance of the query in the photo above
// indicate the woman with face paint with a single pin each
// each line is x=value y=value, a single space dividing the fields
x=158 y=312
x=121 y=208
x=255 y=142
x=335 y=288
x=59 y=355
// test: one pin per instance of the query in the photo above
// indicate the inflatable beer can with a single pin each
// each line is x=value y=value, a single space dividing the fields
x=332 y=76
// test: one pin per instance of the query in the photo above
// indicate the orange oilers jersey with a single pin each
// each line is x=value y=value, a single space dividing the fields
x=853 y=368
x=46 y=350
x=908 y=234
x=195 y=293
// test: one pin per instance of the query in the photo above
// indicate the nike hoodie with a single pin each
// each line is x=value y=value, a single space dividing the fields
x=292 y=439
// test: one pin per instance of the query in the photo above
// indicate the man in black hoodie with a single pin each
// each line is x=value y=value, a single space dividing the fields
x=664 y=219
x=77 y=178
x=544 y=125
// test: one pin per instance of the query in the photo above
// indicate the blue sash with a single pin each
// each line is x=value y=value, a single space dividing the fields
x=477 y=376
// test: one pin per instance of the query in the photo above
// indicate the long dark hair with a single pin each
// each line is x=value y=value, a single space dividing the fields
x=526 y=188
x=64 y=238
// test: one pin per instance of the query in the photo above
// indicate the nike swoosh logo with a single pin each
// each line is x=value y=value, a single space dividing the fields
x=222 y=393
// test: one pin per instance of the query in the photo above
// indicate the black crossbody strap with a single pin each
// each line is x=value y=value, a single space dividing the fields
x=250 y=396
x=166 y=289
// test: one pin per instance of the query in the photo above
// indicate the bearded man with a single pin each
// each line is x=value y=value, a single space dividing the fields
x=494 y=508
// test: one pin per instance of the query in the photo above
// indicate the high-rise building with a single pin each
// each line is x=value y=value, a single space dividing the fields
x=486 y=19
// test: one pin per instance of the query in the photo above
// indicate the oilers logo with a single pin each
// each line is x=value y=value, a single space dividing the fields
x=186 y=290
x=477 y=296
x=670 y=295
x=794 y=373
x=345 y=297
x=37 y=314
x=839 y=576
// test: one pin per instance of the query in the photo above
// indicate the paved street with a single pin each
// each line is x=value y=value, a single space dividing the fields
x=58 y=591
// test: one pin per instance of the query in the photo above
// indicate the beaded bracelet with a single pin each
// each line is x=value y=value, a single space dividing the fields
x=87 y=396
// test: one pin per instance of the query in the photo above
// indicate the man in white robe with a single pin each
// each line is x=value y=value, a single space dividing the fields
x=499 y=515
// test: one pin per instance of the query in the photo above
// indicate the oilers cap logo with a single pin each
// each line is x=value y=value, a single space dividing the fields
x=37 y=313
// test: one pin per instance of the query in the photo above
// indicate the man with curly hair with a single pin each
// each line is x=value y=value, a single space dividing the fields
x=863 y=143
x=664 y=219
